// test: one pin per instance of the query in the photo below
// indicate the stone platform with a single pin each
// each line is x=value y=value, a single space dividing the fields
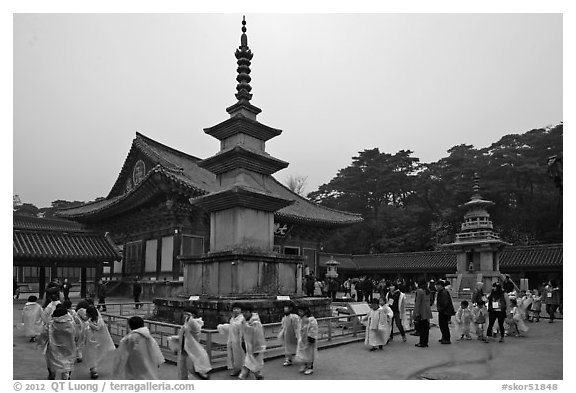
x=215 y=310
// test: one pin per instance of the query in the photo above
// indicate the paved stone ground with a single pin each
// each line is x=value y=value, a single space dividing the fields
x=538 y=356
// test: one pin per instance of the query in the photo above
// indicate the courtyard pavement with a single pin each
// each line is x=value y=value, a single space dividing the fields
x=538 y=356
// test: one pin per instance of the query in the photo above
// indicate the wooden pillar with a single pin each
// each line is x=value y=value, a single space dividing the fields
x=83 y=283
x=98 y=273
x=53 y=272
x=41 y=282
x=159 y=258
x=175 y=254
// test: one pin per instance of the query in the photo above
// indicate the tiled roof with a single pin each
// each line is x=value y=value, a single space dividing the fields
x=512 y=258
x=408 y=261
x=31 y=222
x=62 y=246
x=543 y=256
x=183 y=169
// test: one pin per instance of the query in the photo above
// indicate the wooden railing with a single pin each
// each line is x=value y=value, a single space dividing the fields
x=330 y=329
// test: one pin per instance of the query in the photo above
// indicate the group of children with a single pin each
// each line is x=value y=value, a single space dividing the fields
x=66 y=336
x=526 y=307
x=246 y=343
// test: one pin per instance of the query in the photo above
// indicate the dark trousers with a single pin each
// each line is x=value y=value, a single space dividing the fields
x=396 y=318
x=443 y=321
x=360 y=295
x=101 y=303
x=369 y=295
x=137 y=301
x=424 y=331
x=551 y=310
x=492 y=317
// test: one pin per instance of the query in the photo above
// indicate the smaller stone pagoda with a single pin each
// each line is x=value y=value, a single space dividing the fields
x=477 y=246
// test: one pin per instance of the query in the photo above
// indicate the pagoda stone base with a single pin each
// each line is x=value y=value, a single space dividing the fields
x=216 y=310
x=464 y=284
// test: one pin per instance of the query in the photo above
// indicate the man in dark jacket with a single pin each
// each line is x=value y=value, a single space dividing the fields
x=445 y=310
x=422 y=313
x=368 y=289
x=136 y=291
x=101 y=293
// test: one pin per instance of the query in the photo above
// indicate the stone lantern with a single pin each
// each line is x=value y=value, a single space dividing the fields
x=332 y=270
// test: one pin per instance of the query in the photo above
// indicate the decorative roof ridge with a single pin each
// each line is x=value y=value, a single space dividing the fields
x=243 y=148
x=64 y=209
x=241 y=117
x=61 y=231
x=542 y=246
x=166 y=147
x=406 y=253
x=316 y=204
x=119 y=198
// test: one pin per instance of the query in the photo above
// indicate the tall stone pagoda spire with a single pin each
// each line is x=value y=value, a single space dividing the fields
x=242 y=210
x=477 y=246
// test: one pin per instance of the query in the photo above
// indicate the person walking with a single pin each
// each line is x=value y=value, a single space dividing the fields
x=136 y=291
x=138 y=356
x=233 y=331
x=192 y=357
x=445 y=310
x=288 y=334
x=497 y=304
x=307 y=351
x=66 y=289
x=552 y=299
x=254 y=342
x=422 y=313
x=397 y=302
x=368 y=289
x=101 y=293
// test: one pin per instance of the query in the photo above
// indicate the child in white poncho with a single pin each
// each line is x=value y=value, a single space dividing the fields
x=31 y=324
x=138 y=356
x=464 y=317
x=254 y=342
x=58 y=341
x=192 y=357
x=95 y=340
x=378 y=325
x=307 y=351
x=233 y=330
x=288 y=335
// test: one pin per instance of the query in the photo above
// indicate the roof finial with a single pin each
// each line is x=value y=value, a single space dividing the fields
x=244 y=55
x=476 y=186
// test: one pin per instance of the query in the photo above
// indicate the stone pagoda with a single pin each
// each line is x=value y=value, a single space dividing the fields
x=241 y=265
x=477 y=247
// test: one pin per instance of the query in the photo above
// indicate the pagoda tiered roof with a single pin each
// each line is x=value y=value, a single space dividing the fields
x=175 y=171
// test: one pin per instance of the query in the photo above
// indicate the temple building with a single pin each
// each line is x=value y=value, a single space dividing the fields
x=45 y=249
x=149 y=215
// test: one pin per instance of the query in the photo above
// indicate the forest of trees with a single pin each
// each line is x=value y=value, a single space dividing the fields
x=412 y=206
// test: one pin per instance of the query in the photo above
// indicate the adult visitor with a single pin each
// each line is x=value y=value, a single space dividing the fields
x=508 y=285
x=497 y=304
x=136 y=291
x=368 y=289
x=552 y=299
x=445 y=310
x=397 y=302
x=422 y=313
x=66 y=289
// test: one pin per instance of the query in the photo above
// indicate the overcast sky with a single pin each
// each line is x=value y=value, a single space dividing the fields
x=337 y=84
